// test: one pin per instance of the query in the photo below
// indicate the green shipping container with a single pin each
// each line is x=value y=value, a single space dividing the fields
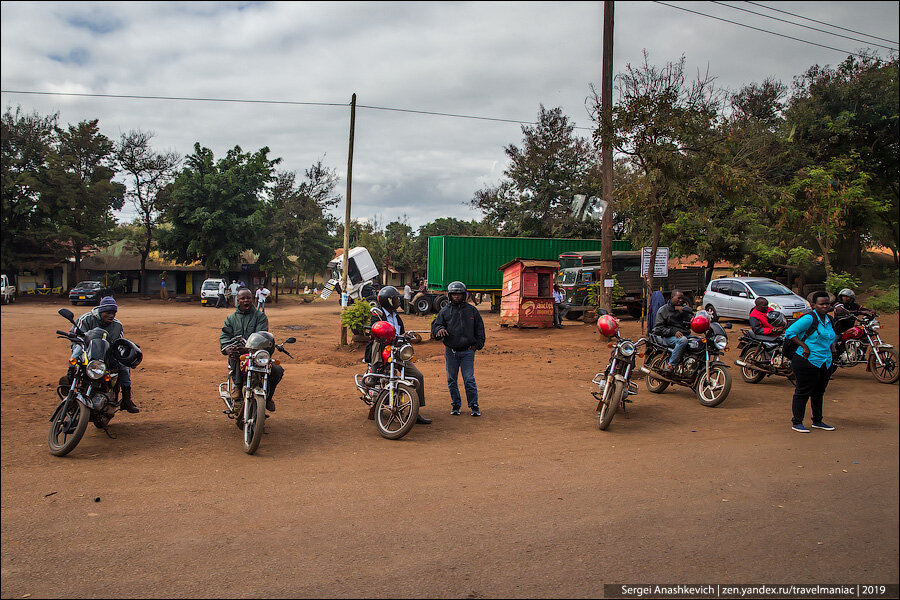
x=475 y=260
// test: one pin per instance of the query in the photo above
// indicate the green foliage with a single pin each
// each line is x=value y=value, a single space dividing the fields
x=886 y=301
x=357 y=315
x=839 y=280
x=595 y=290
x=114 y=281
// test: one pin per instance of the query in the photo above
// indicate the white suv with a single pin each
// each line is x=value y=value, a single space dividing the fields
x=209 y=292
x=735 y=297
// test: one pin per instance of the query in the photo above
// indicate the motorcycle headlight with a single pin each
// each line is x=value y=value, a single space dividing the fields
x=875 y=324
x=261 y=358
x=96 y=369
x=626 y=348
x=406 y=352
x=720 y=341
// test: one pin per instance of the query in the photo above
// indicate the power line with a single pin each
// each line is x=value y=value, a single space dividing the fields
x=821 y=22
x=758 y=29
x=753 y=12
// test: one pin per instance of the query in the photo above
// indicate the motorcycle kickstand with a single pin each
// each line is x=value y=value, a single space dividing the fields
x=111 y=436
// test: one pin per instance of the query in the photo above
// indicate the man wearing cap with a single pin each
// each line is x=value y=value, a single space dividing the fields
x=104 y=317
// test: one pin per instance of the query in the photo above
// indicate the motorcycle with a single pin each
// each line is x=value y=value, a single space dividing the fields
x=91 y=393
x=700 y=367
x=860 y=343
x=391 y=396
x=762 y=356
x=255 y=362
x=614 y=385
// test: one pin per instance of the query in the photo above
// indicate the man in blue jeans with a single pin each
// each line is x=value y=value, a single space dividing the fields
x=460 y=327
x=673 y=323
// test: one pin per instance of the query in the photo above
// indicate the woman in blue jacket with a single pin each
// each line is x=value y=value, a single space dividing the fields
x=811 y=362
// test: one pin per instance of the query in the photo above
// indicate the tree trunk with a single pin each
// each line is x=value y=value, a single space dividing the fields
x=710 y=267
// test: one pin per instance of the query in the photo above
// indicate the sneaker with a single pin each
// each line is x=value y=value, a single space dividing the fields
x=823 y=425
x=475 y=411
x=800 y=428
x=454 y=411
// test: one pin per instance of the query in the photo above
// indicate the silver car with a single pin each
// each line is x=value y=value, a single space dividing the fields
x=735 y=297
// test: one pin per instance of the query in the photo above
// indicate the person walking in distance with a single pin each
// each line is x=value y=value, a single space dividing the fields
x=262 y=293
x=221 y=301
x=460 y=327
x=558 y=298
x=407 y=296
x=234 y=287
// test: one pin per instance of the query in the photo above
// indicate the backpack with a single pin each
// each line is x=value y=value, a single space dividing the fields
x=790 y=344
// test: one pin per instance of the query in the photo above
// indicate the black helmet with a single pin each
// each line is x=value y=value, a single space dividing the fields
x=776 y=319
x=456 y=287
x=127 y=353
x=389 y=298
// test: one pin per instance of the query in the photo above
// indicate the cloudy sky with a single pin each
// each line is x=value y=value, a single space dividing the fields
x=498 y=60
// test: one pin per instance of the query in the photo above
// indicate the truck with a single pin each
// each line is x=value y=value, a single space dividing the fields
x=476 y=260
x=361 y=275
x=574 y=281
x=7 y=290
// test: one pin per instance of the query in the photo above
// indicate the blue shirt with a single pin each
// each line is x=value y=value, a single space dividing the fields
x=819 y=342
x=558 y=296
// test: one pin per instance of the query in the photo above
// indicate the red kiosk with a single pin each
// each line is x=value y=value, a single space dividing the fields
x=527 y=296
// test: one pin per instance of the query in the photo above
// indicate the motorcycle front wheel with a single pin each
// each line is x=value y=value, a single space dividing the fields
x=887 y=371
x=714 y=385
x=68 y=427
x=657 y=386
x=395 y=421
x=255 y=422
x=752 y=355
x=609 y=408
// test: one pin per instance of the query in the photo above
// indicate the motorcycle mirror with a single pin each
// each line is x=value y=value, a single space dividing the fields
x=67 y=314
x=726 y=325
x=290 y=340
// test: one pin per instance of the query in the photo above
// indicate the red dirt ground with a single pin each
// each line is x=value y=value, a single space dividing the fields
x=530 y=500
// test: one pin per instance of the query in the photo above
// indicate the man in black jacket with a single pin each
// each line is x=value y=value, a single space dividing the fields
x=460 y=327
x=673 y=323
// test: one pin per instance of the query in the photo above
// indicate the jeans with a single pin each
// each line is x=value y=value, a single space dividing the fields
x=261 y=306
x=680 y=345
x=810 y=384
x=455 y=361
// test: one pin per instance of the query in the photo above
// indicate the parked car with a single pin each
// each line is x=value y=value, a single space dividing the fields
x=88 y=292
x=7 y=290
x=735 y=297
x=209 y=291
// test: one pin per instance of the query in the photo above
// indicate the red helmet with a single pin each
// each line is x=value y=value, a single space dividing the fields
x=700 y=322
x=607 y=325
x=384 y=331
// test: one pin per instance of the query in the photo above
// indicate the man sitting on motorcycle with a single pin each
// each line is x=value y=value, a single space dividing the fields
x=388 y=302
x=104 y=317
x=759 y=319
x=244 y=322
x=845 y=304
x=673 y=323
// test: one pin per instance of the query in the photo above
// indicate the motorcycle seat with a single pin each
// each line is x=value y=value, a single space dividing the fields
x=761 y=338
x=658 y=341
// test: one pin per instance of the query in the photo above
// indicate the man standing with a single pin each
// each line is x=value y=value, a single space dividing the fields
x=407 y=296
x=234 y=287
x=221 y=302
x=557 y=301
x=460 y=327
x=673 y=322
x=262 y=293
x=244 y=322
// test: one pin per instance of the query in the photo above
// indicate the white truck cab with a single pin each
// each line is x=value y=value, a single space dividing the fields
x=361 y=271
x=7 y=291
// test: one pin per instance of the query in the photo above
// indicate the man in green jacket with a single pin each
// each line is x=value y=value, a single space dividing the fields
x=244 y=322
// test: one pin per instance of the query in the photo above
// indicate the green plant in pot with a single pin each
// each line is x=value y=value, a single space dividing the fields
x=356 y=316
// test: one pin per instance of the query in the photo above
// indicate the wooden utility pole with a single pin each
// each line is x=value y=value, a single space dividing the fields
x=345 y=262
x=606 y=155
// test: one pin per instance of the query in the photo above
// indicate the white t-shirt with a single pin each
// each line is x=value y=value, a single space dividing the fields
x=233 y=287
x=407 y=292
x=262 y=294
x=222 y=288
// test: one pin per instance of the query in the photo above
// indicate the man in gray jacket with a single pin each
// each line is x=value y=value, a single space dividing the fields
x=673 y=323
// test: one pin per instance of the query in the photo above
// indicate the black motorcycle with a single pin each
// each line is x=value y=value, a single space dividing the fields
x=762 y=356
x=91 y=392
x=614 y=385
x=700 y=367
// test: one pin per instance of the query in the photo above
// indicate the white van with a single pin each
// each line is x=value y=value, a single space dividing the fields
x=209 y=291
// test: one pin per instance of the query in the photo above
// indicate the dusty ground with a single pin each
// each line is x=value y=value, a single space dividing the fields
x=530 y=500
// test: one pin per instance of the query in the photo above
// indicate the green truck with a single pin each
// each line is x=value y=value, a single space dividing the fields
x=475 y=260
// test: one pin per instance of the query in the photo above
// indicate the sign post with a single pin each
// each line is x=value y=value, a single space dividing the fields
x=662 y=261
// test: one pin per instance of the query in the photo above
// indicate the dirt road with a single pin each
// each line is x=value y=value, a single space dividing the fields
x=530 y=500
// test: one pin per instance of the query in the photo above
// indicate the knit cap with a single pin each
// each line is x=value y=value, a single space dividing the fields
x=107 y=304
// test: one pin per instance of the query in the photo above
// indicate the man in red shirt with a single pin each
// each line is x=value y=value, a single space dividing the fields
x=759 y=321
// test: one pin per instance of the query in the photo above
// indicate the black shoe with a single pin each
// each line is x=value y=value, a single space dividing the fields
x=270 y=405
x=475 y=412
x=128 y=406
x=454 y=411
x=420 y=420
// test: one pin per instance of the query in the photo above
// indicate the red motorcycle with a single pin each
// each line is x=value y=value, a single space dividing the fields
x=860 y=343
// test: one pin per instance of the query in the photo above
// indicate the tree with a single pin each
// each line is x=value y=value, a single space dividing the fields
x=149 y=173
x=27 y=143
x=80 y=189
x=212 y=202
x=543 y=176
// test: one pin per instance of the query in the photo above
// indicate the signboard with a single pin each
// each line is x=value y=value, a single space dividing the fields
x=662 y=261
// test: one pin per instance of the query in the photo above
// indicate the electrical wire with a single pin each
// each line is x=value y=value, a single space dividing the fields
x=753 y=12
x=758 y=29
x=821 y=22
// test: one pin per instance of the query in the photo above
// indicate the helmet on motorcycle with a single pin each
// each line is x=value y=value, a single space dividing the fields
x=607 y=325
x=847 y=292
x=384 y=331
x=127 y=353
x=776 y=319
x=457 y=287
x=700 y=322
x=389 y=298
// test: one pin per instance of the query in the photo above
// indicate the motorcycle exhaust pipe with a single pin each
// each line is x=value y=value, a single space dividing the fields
x=741 y=363
x=644 y=369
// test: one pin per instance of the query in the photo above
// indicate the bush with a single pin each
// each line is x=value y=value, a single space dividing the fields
x=594 y=290
x=885 y=302
x=839 y=280
x=357 y=315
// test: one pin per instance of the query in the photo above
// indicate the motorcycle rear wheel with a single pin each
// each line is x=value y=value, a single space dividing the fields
x=70 y=423
x=888 y=372
x=253 y=427
x=657 y=386
x=609 y=408
x=713 y=387
x=751 y=355
x=395 y=422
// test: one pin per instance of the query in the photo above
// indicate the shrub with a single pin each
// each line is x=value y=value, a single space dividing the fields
x=839 y=280
x=357 y=315
x=594 y=290
x=887 y=302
